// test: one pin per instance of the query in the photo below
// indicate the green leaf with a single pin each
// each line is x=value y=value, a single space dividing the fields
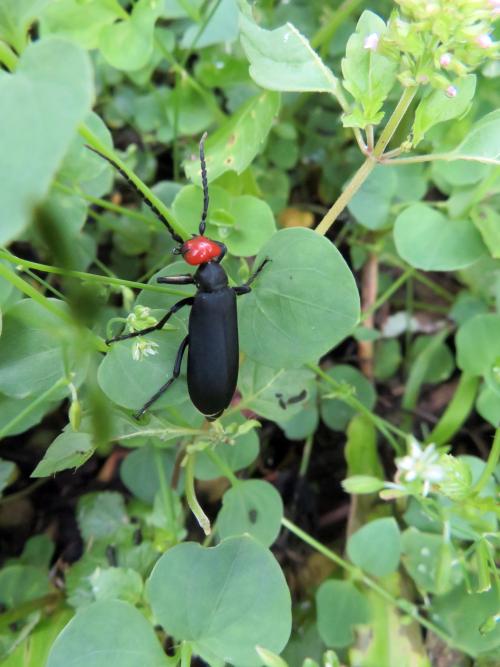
x=101 y=514
x=371 y=204
x=77 y=21
x=487 y=221
x=68 y=450
x=340 y=607
x=15 y=19
x=376 y=547
x=41 y=106
x=116 y=583
x=38 y=551
x=254 y=507
x=34 y=350
x=463 y=615
x=139 y=474
x=11 y=408
x=209 y=597
x=21 y=583
x=336 y=413
x=428 y=240
x=482 y=142
x=440 y=362
x=283 y=59
x=128 y=44
x=34 y=650
x=369 y=76
x=478 y=346
x=86 y=639
x=488 y=406
x=437 y=107
x=361 y=453
x=130 y=383
x=422 y=555
x=243 y=223
x=292 y=315
x=387 y=358
x=274 y=393
x=239 y=140
x=221 y=28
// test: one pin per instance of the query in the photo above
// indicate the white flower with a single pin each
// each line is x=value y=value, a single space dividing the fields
x=420 y=464
x=144 y=348
x=371 y=42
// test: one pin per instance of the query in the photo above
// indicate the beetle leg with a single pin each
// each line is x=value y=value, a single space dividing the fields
x=245 y=288
x=186 y=279
x=163 y=389
x=159 y=325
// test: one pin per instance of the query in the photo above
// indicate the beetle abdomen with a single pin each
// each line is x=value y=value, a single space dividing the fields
x=213 y=351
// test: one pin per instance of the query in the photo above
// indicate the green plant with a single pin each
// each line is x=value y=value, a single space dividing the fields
x=410 y=107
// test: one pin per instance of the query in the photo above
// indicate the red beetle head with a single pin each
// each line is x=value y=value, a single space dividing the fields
x=200 y=250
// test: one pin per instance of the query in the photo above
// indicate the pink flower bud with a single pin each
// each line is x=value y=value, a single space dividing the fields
x=371 y=42
x=451 y=91
x=445 y=60
x=484 y=41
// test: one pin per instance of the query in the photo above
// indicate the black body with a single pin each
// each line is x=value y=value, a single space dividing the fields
x=212 y=369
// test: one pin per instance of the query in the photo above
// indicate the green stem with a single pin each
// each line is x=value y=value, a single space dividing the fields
x=490 y=466
x=457 y=411
x=33 y=293
x=191 y=498
x=27 y=608
x=325 y=34
x=186 y=652
x=306 y=456
x=104 y=203
x=88 y=277
x=35 y=403
x=447 y=157
x=95 y=142
x=382 y=425
x=165 y=490
x=24 y=492
x=405 y=606
x=7 y=56
x=222 y=465
x=369 y=164
x=388 y=293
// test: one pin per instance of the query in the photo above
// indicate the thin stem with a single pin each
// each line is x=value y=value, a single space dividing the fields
x=222 y=465
x=23 y=610
x=392 y=125
x=405 y=606
x=388 y=293
x=88 y=277
x=191 y=498
x=447 y=157
x=325 y=34
x=491 y=464
x=381 y=424
x=7 y=56
x=165 y=490
x=34 y=404
x=186 y=652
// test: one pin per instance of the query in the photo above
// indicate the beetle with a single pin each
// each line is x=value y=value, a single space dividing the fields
x=212 y=339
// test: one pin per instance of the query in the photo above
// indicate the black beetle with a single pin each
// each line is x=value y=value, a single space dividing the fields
x=212 y=340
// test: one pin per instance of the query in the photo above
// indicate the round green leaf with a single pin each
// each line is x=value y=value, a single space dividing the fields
x=334 y=412
x=478 y=344
x=293 y=315
x=340 y=607
x=130 y=383
x=139 y=473
x=372 y=202
x=376 y=547
x=441 y=364
x=224 y=600
x=107 y=633
x=428 y=240
x=253 y=507
x=488 y=406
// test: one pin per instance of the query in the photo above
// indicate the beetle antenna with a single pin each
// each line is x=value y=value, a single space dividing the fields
x=204 y=182
x=155 y=210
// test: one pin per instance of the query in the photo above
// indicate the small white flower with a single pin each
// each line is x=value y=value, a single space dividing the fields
x=420 y=464
x=451 y=91
x=144 y=348
x=371 y=42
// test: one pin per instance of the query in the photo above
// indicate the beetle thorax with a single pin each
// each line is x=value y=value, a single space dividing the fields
x=199 y=250
x=210 y=277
